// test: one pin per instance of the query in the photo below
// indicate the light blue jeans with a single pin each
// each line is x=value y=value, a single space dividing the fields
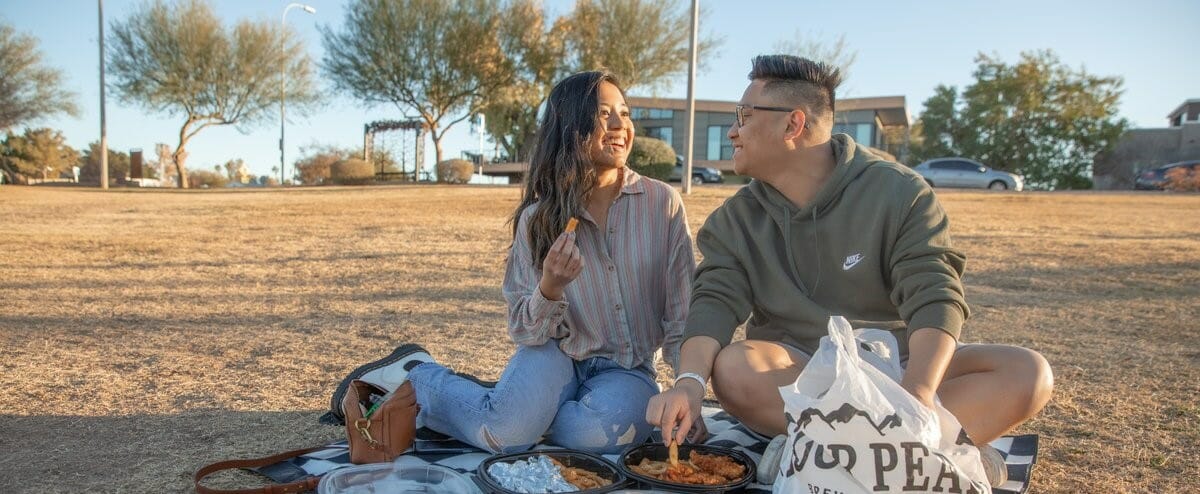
x=592 y=405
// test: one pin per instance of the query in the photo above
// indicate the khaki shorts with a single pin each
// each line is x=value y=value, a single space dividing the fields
x=876 y=346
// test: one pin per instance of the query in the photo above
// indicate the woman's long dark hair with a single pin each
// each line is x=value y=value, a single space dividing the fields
x=560 y=173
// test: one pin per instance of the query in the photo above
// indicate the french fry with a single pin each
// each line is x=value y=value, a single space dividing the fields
x=571 y=224
x=673 y=453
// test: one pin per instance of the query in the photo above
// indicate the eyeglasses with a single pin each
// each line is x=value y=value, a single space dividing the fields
x=739 y=111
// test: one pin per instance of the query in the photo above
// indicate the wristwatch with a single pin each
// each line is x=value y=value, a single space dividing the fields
x=691 y=375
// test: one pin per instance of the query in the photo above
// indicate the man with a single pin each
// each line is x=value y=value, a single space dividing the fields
x=828 y=228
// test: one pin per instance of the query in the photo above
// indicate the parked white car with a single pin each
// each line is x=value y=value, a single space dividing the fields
x=962 y=172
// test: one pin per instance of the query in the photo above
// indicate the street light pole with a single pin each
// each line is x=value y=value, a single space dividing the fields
x=282 y=80
x=688 y=152
x=103 y=125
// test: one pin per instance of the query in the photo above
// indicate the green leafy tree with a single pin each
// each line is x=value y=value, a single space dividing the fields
x=38 y=153
x=654 y=39
x=1037 y=117
x=937 y=133
x=118 y=164
x=438 y=58
x=178 y=59
x=536 y=54
x=28 y=90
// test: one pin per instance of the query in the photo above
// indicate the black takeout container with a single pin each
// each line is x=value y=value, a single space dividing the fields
x=570 y=458
x=659 y=452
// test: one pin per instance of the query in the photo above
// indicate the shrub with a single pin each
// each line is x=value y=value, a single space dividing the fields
x=657 y=171
x=351 y=172
x=200 y=179
x=1182 y=179
x=652 y=157
x=455 y=171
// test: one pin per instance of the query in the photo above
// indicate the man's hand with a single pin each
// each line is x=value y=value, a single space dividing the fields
x=562 y=265
x=676 y=410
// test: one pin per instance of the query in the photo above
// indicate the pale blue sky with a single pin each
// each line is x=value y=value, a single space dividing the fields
x=904 y=48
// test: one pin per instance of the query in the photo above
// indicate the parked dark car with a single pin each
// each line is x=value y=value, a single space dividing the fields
x=700 y=174
x=962 y=172
x=1156 y=179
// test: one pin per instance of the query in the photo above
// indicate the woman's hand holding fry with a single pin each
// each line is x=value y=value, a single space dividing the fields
x=562 y=265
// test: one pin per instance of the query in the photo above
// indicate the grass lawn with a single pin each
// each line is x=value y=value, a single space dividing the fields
x=145 y=333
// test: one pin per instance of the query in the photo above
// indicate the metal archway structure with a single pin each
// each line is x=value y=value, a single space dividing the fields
x=417 y=155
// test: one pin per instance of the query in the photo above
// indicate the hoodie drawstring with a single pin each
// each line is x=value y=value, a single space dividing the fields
x=791 y=255
x=816 y=247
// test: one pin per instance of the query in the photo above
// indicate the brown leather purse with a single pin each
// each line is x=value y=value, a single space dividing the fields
x=387 y=428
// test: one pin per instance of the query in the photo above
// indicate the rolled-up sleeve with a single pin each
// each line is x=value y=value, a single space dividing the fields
x=927 y=270
x=532 y=319
x=678 y=279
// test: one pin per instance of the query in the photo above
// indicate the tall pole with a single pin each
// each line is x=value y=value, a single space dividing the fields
x=103 y=125
x=282 y=79
x=481 y=146
x=686 y=178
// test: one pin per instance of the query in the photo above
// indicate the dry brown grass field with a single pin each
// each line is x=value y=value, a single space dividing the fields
x=146 y=333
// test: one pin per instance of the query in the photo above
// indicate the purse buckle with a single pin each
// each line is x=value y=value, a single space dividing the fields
x=362 y=425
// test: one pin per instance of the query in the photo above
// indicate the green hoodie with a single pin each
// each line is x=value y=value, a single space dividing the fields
x=872 y=246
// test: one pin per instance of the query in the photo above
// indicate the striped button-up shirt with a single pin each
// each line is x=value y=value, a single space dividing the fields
x=632 y=296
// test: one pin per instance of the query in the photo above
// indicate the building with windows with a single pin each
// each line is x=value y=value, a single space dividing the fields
x=1144 y=149
x=880 y=122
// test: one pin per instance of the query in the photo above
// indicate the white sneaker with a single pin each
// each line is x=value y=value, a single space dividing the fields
x=388 y=373
x=391 y=371
x=993 y=465
x=768 y=465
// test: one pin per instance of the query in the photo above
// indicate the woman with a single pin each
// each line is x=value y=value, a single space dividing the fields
x=588 y=309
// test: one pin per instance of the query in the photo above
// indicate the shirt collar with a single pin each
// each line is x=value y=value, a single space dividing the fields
x=631 y=182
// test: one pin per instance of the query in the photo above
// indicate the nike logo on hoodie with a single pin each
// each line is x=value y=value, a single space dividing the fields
x=851 y=261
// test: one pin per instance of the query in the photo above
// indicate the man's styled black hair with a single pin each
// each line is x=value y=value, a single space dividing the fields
x=798 y=80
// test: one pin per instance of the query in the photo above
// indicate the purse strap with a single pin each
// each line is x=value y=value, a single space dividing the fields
x=303 y=485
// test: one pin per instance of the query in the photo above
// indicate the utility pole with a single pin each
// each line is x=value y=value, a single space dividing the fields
x=283 y=79
x=103 y=125
x=481 y=146
x=686 y=177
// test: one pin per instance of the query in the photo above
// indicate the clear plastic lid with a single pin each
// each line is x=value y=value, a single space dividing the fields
x=395 y=478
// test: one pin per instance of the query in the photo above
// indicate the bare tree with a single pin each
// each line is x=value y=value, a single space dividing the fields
x=179 y=59
x=28 y=90
x=815 y=47
x=438 y=58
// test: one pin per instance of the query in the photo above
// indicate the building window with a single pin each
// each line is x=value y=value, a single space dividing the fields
x=719 y=145
x=864 y=133
x=861 y=133
x=662 y=133
x=661 y=113
x=650 y=114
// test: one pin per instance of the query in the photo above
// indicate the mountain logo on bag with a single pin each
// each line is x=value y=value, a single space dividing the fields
x=843 y=415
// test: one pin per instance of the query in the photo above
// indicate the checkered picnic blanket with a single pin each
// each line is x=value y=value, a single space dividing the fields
x=1020 y=453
